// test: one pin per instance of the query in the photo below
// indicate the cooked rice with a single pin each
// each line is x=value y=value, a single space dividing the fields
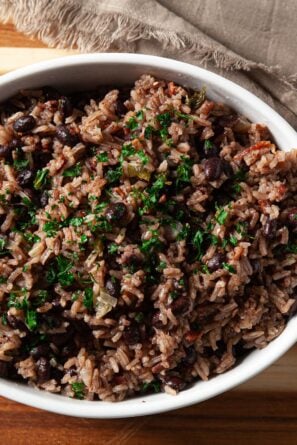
x=148 y=239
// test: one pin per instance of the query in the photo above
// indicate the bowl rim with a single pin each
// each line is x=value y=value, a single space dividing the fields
x=200 y=391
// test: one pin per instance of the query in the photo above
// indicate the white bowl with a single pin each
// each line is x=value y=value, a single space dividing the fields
x=88 y=71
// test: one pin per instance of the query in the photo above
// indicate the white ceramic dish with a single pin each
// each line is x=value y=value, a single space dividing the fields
x=90 y=70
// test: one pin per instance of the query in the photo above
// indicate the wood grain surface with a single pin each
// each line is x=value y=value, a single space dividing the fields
x=262 y=411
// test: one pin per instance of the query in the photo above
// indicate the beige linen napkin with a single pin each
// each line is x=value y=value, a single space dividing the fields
x=251 y=42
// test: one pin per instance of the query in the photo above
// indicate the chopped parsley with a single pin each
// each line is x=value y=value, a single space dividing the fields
x=83 y=239
x=233 y=240
x=20 y=301
x=161 y=266
x=20 y=164
x=140 y=115
x=149 y=131
x=132 y=123
x=221 y=215
x=154 y=386
x=186 y=117
x=88 y=298
x=229 y=267
x=113 y=176
x=78 y=388
x=205 y=269
x=30 y=237
x=31 y=319
x=184 y=233
x=184 y=171
x=102 y=157
x=151 y=244
x=3 y=279
x=60 y=272
x=142 y=156
x=153 y=194
x=40 y=178
x=240 y=175
x=73 y=171
x=208 y=144
x=113 y=248
x=76 y=222
x=164 y=119
x=2 y=243
x=197 y=242
x=139 y=317
x=65 y=277
x=51 y=228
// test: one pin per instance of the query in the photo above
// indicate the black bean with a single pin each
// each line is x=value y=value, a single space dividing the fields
x=120 y=108
x=191 y=356
x=15 y=143
x=216 y=261
x=50 y=93
x=221 y=348
x=256 y=265
x=25 y=177
x=174 y=382
x=56 y=374
x=238 y=350
x=15 y=323
x=5 y=152
x=131 y=335
x=41 y=158
x=227 y=168
x=179 y=305
x=65 y=106
x=210 y=150
x=3 y=369
x=65 y=136
x=270 y=228
x=69 y=351
x=43 y=369
x=24 y=124
x=72 y=372
x=156 y=321
x=116 y=212
x=40 y=351
x=44 y=198
x=61 y=339
x=113 y=287
x=292 y=217
x=213 y=168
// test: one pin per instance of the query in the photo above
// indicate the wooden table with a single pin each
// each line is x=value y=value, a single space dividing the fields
x=262 y=411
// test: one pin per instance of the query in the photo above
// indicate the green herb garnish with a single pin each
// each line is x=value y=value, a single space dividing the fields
x=72 y=172
x=88 y=298
x=114 y=175
x=76 y=222
x=20 y=164
x=149 y=131
x=51 y=228
x=113 y=248
x=31 y=319
x=78 y=388
x=221 y=215
x=229 y=267
x=132 y=124
x=151 y=244
x=154 y=386
x=102 y=157
x=40 y=178
x=139 y=317
x=184 y=171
